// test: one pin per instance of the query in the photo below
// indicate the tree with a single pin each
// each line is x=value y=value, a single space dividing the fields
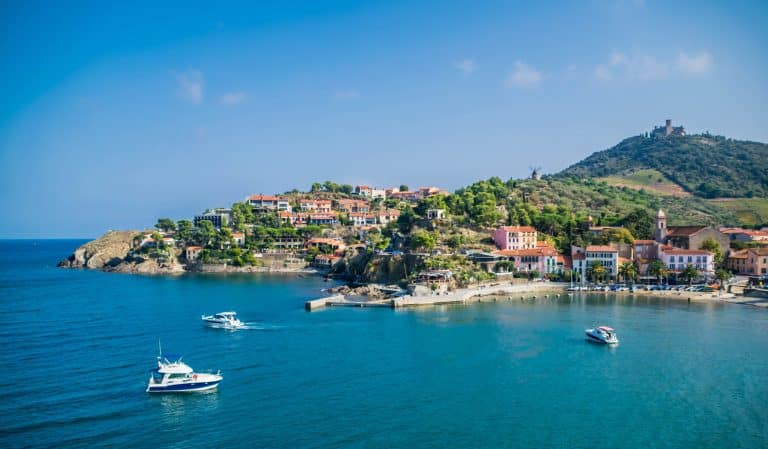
x=628 y=271
x=311 y=231
x=184 y=229
x=165 y=225
x=505 y=266
x=689 y=273
x=422 y=239
x=224 y=237
x=658 y=269
x=346 y=188
x=596 y=271
x=406 y=220
x=639 y=222
x=456 y=241
x=722 y=276
x=403 y=188
x=242 y=214
x=316 y=187
x=205 y=232
x=620 y=235
x=158 y=238
x=713 y=247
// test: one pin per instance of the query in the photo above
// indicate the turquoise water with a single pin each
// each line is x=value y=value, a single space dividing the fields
x=77 y=347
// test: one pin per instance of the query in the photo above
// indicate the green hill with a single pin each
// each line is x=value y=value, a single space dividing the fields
x=703 y=165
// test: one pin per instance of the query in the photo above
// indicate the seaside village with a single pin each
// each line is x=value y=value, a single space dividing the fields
x=331 y=226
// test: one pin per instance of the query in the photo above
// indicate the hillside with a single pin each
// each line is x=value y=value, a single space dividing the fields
x=703 y=165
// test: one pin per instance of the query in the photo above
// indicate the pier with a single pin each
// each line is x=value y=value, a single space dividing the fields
x=461 y=296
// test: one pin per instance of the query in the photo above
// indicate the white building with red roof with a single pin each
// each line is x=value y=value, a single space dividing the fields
x=266 y=203
x=677 y=259
x=584 y=258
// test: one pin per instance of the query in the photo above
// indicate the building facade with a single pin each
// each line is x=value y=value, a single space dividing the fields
x=515 y=237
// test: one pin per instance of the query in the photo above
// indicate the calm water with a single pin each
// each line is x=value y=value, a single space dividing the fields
x=77 y=345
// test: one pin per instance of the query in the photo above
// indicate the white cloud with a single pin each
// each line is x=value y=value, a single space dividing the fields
x=523 y=75
x=347 y=94
x=603 y=72
x=466 y=66
x=645 y=67
x=695 y=65
x=632 y=67
x=190 y=86
x=232 y=98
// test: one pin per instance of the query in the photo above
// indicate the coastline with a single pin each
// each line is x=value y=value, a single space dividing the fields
x=506 y=292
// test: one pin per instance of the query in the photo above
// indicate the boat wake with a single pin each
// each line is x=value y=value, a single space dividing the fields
x=252 y=326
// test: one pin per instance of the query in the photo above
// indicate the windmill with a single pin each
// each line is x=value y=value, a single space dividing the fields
x=535 y=171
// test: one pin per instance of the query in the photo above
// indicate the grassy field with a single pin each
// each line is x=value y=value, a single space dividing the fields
x=749 y=211
x=650 y=180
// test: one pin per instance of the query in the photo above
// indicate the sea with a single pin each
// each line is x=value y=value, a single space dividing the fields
x=77 y=346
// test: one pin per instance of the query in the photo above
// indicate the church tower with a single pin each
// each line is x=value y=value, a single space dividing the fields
x=661 y=226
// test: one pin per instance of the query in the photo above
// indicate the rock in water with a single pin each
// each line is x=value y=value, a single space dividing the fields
x=108 y=250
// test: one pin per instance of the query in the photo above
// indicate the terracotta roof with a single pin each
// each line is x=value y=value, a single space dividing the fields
x=540 y=251
x=739 y=255
x=759 y=251
x=194 y=248
x=686 y=252
x=263 y=198
x=674 y=231
x=518 y=228
x=601 y=248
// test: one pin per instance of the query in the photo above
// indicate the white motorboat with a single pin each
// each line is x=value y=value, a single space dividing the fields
x=174 y=376
x=602 y=334
x=226 y=320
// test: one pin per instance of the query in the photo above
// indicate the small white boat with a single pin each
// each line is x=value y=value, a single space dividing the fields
x=174 y=376
x=602 y=334
x=226 y=320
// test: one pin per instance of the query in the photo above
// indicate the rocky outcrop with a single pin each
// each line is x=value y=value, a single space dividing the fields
x=109 y=250
x=368 y=291
x=148 y=266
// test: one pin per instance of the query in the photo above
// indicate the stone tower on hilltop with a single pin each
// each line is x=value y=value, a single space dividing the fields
x=667 y=130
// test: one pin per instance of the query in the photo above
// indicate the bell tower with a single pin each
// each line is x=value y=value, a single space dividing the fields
x=661 y=226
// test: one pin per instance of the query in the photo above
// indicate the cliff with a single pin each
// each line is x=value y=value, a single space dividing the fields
x=109 y=250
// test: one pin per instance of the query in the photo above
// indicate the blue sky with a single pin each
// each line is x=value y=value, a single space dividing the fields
x=114 y=115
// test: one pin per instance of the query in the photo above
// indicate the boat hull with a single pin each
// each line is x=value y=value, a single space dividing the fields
x=190 y=387
x=596 y=339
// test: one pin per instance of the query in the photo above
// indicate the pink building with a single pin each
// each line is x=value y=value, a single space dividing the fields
x=515 y=237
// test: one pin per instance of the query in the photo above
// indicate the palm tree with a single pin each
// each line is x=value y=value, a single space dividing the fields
x=658 y=269
x=689 y=273
x=596 y=271
x=628 y=271
x=722 y=276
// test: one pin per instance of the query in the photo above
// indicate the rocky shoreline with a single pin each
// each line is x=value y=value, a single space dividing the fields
x=110 y=253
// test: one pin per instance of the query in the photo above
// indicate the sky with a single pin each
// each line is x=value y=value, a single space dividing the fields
x=116 y=113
